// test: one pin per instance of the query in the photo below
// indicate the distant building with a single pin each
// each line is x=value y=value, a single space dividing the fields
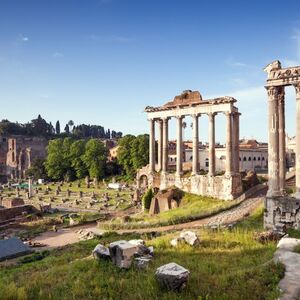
x=17 y=153
x=253 y=156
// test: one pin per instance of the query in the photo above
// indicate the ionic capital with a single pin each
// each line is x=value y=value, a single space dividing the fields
x=297 y=88
x=211 y=115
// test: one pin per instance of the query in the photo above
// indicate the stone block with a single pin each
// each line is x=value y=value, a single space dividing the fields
x=190 y=238
x=172 y=276
x=101 y=251
x=122 y=253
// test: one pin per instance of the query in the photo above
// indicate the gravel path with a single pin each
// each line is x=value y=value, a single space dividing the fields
x=68 y=235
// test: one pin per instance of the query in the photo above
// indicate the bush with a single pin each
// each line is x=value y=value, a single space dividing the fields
x=147 y=198
x=34 y=257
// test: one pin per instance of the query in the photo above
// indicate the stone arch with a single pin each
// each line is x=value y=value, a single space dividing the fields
x=143 y=181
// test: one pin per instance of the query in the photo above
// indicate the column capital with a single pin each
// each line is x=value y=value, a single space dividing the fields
x=274 y=92
x=195 y=115
x=179 y=117
x=228 y=113
x=211 y=115
x=297 y=88
x=165 y=119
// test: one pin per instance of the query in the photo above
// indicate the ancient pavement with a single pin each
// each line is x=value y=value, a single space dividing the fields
x=69 y=235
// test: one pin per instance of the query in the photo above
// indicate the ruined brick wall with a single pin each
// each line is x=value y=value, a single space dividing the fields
x=22 y=152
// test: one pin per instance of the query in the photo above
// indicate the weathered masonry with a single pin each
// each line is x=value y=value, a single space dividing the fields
x=190 y=103
x=281 y=209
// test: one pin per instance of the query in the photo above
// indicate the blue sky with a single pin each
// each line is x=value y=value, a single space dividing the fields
x=102 y=61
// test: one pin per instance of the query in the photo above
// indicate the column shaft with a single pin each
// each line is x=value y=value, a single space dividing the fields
x=236 y=142
x=179 y=147
x=152 y=146
x=229 y=160
x=160 y=146
x=211 y=132
x=195 y=169
x=281 y=132
x=165 y=155
x=297 y=154
x=273 y=146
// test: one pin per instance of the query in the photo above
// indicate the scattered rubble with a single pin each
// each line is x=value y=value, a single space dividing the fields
x=266 y=236
x=188 y=237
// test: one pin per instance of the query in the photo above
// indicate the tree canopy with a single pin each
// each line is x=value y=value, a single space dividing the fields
x=70 y=159
x=133 y=153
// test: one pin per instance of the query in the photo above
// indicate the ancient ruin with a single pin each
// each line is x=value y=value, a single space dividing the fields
x=190 y=103
x=281 y=210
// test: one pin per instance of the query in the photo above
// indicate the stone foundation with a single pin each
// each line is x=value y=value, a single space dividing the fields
x=222 y=187
x=282 y=212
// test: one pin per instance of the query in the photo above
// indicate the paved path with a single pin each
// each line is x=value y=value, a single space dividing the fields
x=69 y=235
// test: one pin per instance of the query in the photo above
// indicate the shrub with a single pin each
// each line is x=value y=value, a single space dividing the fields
x=147 y=198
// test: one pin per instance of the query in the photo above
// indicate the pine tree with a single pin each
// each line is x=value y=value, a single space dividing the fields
x=57 y=127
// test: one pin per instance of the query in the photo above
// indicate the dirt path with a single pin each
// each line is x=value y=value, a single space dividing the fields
x=69 y=235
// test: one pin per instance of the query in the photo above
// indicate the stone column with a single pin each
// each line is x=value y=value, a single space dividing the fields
x=152 y=146
x=179 y=147
x=297 y=154
x=236 y=142
x=195 y=169
x=211 y=132
x=160 y=145
x=281 y=132
x=229 y=159
x=273 y=146
x=165 y=156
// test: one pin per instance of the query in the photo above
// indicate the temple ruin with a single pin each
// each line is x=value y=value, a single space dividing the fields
x=190 y=103
x=281 y=210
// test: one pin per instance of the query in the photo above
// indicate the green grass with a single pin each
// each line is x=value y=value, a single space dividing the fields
x=227 y=265
x=192 y=207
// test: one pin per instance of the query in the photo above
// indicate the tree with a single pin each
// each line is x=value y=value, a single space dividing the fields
x=77 y=151
x=67 y=129
x=37 y=170
x=140 y=151
x=133 y=153
x=95 y=157
x=71 y=124
x=124 y=154
x=55 y=159
x=57 y=127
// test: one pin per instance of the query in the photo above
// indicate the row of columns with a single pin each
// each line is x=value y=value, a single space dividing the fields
x=232 y=144
x=277 y=148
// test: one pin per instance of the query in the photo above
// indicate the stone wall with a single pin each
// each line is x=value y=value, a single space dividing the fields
x=10 y=213
x=222 y=187
x=282 y=212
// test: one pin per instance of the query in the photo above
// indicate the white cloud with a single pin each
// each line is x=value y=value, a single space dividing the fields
x=57 y=55
x=234 y=63
x=24 y=38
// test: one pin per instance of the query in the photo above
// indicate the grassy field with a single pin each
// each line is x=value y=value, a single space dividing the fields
x=192 y=207
x=227 y=265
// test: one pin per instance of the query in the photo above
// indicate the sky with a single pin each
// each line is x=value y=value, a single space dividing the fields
x=103 y=61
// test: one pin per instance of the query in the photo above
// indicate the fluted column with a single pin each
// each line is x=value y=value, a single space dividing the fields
x=229 y=159
x=152 y=145
x=160 y=145
x=297 y=154
x=165 y=146
x=179 y=146
x=236 y=142
x=281 y=133
x=273 y=146
x=195 y=169
x=211 y=132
